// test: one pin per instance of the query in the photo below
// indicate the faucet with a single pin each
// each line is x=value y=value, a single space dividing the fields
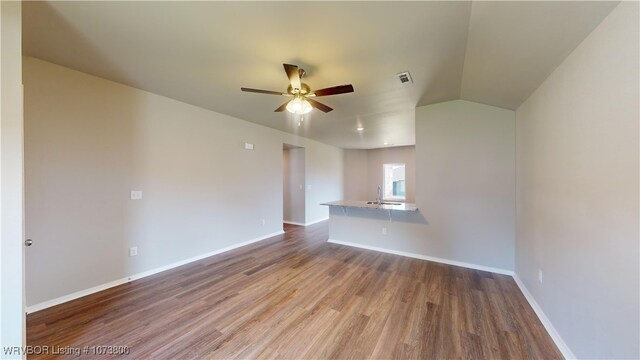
x=379 y=197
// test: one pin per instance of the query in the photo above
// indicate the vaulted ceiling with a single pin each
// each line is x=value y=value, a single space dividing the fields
x=495 y=53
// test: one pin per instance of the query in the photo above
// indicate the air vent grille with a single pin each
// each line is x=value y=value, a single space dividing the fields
x=405 y=77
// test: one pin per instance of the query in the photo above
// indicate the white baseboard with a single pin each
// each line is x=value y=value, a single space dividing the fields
x=305 y=224
x=75 y=295
x=555 y=336
x=85 y=292
x=425 y=257
x=294 y=223
x=315 y=222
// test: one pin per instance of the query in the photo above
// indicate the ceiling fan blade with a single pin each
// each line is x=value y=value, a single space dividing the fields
x=335 y=90
x=282 y=107
x=318 y=105
x=263 y=91
x=293 y=74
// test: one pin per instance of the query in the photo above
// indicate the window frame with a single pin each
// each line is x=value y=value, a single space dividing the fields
x=384 y=185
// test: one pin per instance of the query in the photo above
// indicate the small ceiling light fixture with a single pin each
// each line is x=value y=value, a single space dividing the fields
x=359 y=128
x=386 y=143
x=299 y=105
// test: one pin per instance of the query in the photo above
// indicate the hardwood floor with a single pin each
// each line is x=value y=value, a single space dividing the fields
x=296 y=296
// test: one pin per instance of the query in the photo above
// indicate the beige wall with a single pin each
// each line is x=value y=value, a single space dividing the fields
x=12 y=327
x=323 y=177
x=577 y=178
x=363 y=171
x=356 y=176
x=465 y=191
x=465 y=157
x=89 y=142
x=294 y=186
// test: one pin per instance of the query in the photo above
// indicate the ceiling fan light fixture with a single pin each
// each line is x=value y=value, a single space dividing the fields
x=299 y=106
x=302 y=103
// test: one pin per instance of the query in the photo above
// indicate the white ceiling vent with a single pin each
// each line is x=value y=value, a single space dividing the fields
x=405 y=77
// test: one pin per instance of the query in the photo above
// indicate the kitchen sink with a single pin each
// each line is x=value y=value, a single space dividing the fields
x=382 y=203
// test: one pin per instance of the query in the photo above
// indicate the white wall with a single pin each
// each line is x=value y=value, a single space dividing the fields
x=324 y=165
x=294 y=186
x=363 y=171
x=356 y=176
x=12 y=327
x=465 y=192
x=465 y=157
x=89 y=142
x=577 y=191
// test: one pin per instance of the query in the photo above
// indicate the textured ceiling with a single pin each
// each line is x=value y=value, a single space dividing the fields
x=201 y=53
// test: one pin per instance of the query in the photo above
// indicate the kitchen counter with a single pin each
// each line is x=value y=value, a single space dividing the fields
x=386 y=205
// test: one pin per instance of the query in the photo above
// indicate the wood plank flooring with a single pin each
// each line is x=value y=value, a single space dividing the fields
x=295 y=296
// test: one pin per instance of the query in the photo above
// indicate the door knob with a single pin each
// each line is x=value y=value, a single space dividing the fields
x=28 y=242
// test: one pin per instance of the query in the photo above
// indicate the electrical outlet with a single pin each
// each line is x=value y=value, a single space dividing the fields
x=384 y=231
x=540 y=276
x=264 y=221
x=133 y=251
x=136 y=195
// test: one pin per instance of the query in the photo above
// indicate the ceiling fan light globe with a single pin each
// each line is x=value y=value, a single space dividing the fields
x=306 y=107
x=294 y=105
x=299 y=106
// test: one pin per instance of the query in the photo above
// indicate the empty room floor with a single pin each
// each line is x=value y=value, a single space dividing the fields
x=296 y=296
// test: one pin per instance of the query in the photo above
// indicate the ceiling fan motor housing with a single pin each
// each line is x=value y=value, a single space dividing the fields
x=305 y=89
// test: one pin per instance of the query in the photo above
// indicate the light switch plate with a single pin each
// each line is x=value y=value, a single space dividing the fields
x=136 y=195
x=248 y=146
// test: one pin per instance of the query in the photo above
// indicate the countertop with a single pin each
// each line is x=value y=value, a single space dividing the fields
x=364 y=205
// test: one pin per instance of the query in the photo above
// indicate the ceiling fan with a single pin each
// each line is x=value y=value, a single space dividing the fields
x=302 y=101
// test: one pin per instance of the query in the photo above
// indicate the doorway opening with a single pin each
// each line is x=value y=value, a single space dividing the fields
x=293 y=185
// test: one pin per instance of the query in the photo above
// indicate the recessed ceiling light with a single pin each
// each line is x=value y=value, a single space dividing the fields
x=386 y=143
x=359 y=128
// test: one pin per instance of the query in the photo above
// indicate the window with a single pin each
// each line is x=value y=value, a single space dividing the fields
x=394 y=182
